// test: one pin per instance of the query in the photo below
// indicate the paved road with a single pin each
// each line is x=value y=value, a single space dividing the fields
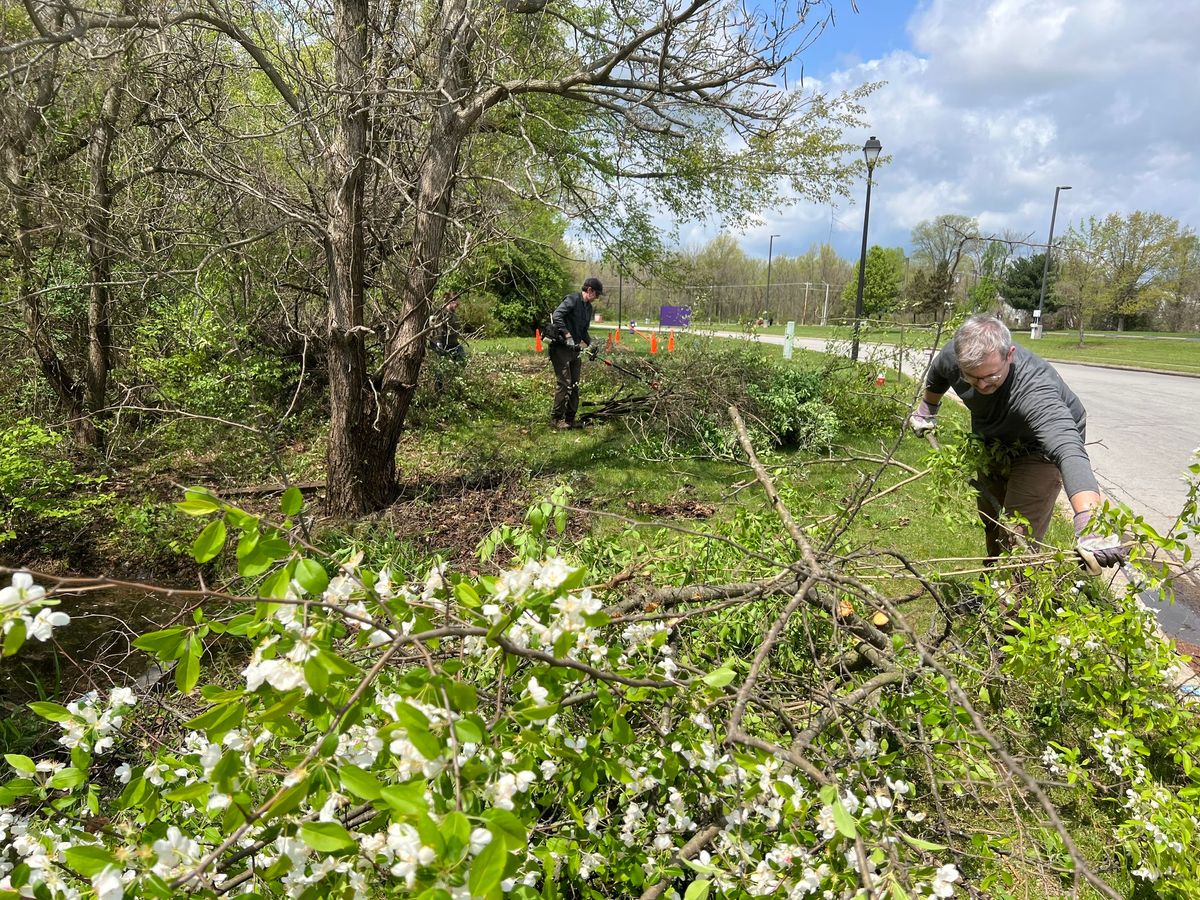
x=1143 y=428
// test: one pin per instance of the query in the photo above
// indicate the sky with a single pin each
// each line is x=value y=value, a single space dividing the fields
x=988 y=105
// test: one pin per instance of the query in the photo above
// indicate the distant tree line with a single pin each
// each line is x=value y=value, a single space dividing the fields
x=1138 y=271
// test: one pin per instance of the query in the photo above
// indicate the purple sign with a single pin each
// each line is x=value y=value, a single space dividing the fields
x=674 y=316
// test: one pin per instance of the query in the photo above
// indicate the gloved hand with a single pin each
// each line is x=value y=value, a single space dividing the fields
x=1097 y=551
x=923 y=419
x=593 y=351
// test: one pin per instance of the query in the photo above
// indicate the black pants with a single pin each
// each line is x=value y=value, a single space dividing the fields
x=566 y=378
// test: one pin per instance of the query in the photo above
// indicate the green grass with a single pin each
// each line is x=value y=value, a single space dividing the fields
x=1168 y=352
x=497 y=420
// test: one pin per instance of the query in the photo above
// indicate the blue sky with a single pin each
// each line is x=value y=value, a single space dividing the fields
x=989 y=104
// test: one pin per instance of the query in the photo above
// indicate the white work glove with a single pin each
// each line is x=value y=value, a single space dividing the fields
x=1097 y=551
x=923 y=419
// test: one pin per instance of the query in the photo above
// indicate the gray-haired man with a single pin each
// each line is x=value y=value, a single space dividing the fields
x=1019 y=403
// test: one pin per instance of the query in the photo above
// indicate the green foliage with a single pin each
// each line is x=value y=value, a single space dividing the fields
x=1023 y=283
x=510 y=288
x=881 y=289
x=198 y=363
x=146 y=530
x=41 y=490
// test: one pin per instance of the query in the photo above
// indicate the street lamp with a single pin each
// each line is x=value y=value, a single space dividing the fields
x=1035 y=331
x=871 y=151
x=767 y=302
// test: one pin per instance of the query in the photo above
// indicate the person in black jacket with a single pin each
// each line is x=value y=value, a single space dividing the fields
x=568 y=338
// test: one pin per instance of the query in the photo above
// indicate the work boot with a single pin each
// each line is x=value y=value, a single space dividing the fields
x=561 y=425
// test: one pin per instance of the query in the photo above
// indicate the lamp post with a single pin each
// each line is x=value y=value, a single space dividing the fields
x=1035 y=331
x=767 y=302
x=620 y=293
x=871 y=151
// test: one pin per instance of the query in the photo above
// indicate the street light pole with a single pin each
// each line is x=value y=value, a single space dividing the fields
x=1036 y=331
x=767 y=302
x=871 y=151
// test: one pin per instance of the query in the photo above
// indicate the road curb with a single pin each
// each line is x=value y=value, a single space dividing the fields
x=1118 y=367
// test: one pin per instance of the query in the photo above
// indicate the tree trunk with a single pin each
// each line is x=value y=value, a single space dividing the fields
x=359 y=477
x=368 y=414
x=97 y=229
x=68 y=390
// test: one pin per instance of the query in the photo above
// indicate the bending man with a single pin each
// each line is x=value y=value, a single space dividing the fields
x=1020 y=405
x=568 y=336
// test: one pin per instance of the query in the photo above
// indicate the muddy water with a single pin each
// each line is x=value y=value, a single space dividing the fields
x=94 y=652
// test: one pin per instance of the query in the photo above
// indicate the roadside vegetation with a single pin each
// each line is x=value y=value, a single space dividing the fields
x=600 y=663
x=1166 y=352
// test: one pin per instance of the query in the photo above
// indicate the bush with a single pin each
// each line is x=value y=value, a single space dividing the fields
x=784 y=405
x=40 y=489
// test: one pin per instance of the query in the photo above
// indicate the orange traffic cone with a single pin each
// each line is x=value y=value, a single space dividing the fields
x=671 y=343
x=654 y=342
x=537 y=340
x=617 y=335
x=608 y=344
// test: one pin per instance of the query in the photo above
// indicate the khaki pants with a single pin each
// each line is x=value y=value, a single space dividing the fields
x=1031 y=489
x=566 y=382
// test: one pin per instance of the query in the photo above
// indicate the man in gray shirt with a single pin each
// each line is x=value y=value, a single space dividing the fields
x=1020 y=405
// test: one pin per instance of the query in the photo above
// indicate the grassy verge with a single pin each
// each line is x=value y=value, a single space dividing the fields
x=1141 y=350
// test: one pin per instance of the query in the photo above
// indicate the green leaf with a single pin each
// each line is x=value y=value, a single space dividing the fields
x=360 y=782
x=22 y=764
x=254 y=563
x=292 y=501
x=275 y=586
x=220 y=719
x=466 y=595
x=327 y=837
x=922 y=845
x=51 y=711
x=15 y=637
x=698 y=890
x=248 y=542
x=456 y=829
x=199 y=790
x=718 y=678
x=89 y=859
x=198 y=502
x=210 y=541
x=316 y=676
x=66 y=779
x=501 y=820
x=405 y=799
x=159 y=642
x=312 y=576
x=411 y=717
x=188 y=670
x=468 y=732
x=487 y=869
x=846 y=824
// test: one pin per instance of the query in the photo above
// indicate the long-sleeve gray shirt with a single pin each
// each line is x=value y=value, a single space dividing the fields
x=1033 y=410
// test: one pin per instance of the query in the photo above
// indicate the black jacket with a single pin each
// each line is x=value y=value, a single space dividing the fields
x=572 y=317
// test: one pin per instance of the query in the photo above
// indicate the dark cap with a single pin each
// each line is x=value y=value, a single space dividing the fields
x=593 y=284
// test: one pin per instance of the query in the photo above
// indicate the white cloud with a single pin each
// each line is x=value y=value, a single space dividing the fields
x=998 y=101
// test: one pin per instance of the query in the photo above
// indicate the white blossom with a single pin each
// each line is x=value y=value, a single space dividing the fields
x=536 y=692
x=21 y=592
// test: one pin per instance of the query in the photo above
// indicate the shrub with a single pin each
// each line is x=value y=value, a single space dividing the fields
x=40 y=489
